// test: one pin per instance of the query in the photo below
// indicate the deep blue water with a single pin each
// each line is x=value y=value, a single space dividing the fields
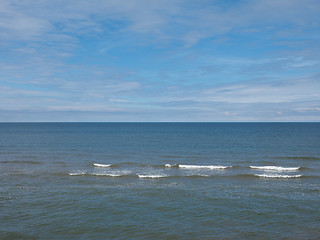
x=159 y=180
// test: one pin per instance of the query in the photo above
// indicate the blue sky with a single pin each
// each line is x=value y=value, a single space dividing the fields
x=177 y=60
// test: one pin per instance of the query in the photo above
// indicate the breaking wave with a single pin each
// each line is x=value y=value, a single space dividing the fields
x=277 y=176
x=151 y=176
x=171 y=165
x=276 y=168
x=101 y=165
x=187 y=171
x=77 y=174
x=159 y=176
x=203 y=167
x=97 y=174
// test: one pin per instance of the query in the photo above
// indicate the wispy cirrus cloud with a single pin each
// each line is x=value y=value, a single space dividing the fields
x=196 y=20
x=165 y=60
x=292 y=90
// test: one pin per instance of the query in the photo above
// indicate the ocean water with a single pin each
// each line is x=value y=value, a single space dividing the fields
x=159 y=180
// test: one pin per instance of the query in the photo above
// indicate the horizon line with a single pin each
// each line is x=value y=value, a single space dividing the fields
x=160 y=122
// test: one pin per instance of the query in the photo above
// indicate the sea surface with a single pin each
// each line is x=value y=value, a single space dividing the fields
x=159 y=180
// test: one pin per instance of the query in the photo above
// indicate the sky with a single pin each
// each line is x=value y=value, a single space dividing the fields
x=168 y=60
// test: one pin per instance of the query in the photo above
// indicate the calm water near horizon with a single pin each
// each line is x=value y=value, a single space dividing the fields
x=159 y=180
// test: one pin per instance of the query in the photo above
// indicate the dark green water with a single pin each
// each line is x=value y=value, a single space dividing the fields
x=159 y=180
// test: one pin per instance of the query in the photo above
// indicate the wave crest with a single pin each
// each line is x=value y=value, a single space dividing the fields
x=171 y=165
x=97 y=174
x=276 y=168
x=151 y=176
x=101 y=165
x=212 y=167
x=277 y=176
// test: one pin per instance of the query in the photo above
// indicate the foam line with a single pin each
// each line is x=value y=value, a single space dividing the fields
x=95 y=174
x=275 y=168
x=202 y=167
x=106 y=174
x=277 y=176
x=171 y=165
x=101 y=165
x=151 y=176
x=77 y=174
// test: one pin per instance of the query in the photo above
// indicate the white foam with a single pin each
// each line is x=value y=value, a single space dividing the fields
x=77 y=174
x=171 y=165
x=277 y=176
x=151 y=176
x=276 y=168
x=101 y=165
x=198 y=175
x=96 y=174
x=107 y=174
x=203 y=167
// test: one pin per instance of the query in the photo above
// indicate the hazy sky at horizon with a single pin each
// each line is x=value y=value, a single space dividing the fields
x=168 y=60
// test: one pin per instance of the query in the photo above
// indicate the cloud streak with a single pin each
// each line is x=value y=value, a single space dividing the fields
x=267 y=92
x=177 y=60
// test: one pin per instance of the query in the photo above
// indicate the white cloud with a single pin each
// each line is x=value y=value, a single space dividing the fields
x=118 y=100
x=266 y=92
x=188 y=21
x=308 y=109
x=16 y=24
x=48 y=60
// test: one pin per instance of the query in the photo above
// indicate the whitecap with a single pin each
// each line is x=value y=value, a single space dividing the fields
x=107 y=174
x=213 y=167
x=101 y=165
x=199 y=175
x=277 y=176
x=151 y=176
x=171 y=165
x=276 y=168
x=96 y=174
x=77 y=174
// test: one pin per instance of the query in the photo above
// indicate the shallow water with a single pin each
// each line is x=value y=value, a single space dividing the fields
x=159 y=180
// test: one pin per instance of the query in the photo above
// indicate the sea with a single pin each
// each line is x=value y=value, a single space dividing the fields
x=159 y=180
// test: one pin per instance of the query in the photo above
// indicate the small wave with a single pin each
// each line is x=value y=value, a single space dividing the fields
x=300 y=158
x=277 y=176
x=77 y=174
x=21 y=162
x=171 y=165
x=96 y=174
x=276 y=168
x=198 y=176
x=203 y=167
x=171 y=156
x=151 y=176
x=101 y=165
x=241 y=175
x=107 y=174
